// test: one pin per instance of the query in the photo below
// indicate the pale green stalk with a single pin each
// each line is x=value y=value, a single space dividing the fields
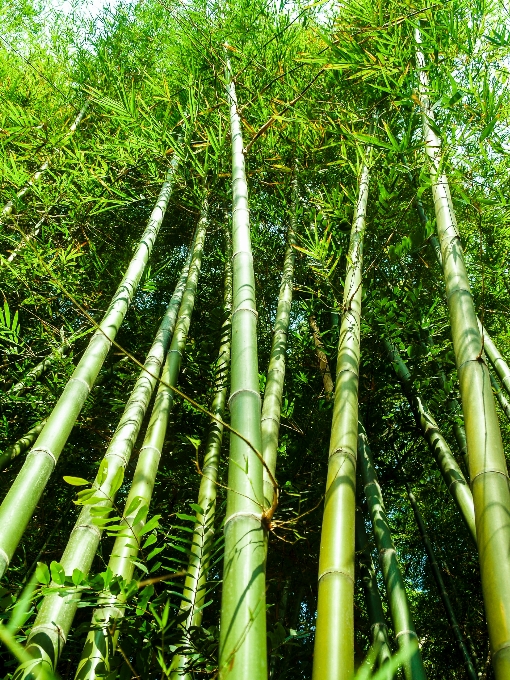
x=334 y=635
x=457 y=633
x=272 y=403
x=23 y=496
x=203 y=535
x=487 y=463
x=56 y=614
x=378 y=627
x=242 y=652
x=9 y=206
x=451 y=472
x=100 y=644
x=400 y=610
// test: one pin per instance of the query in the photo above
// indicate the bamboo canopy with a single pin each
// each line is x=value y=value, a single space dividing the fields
x=377 y=162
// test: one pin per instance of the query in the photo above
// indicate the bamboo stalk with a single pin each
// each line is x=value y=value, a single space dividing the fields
x=334 y=636
x=9 y=206
x=436 y=572
x=100 y=644
x=242 y=652
x=21 y=445
x=203 y=534
x=378 y=627
x=487 y=464
x=327 y=380
x=495 y=357
x=23 y=496
x=272 y=403
x=42 y=367
x=450 y=471
x=503 y=401
x=395 y=586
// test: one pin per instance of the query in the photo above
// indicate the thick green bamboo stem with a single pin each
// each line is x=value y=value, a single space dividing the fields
x=395 y=586
x=56 y=614
x=487 y=464
x=378 y=627
x=203 y=534
x=243 y=644
x=23 y=444
x=23 y=496
x=470 y=669
x=272 y=403
x=100 y=644
x=503 y=401
x=9 y=206
x=334 y=636
x=42 y=367
x=451 y=472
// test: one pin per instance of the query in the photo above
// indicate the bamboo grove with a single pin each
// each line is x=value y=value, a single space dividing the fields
x=255 y=409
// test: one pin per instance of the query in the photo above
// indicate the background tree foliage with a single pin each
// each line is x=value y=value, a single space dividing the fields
x=316 y=84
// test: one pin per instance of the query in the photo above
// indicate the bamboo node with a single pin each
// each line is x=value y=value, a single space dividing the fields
x=335 y=571
x=95 y=530
x=246 y=309
x=83 y=382
x=149 y=446
x=484 y=472
x=236 y=515
x=43 y=449
x=343 y=450
x=406 y=632
x=48 y=626
x=244 y=389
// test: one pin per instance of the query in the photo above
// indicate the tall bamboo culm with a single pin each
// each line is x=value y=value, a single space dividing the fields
x=203 y=534
x=100 y=644
x=242 y=652
x=9 y=206
x=23 y=496
x=487 y=464
x=272 y=403
x=334 y=635
x=503 y=401
x=450 y=471
x=403 y=625
x=496 y=358
x=378 y=627
x=470 y=669
x=56 y=614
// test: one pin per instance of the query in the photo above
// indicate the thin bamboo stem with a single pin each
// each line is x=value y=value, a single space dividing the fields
x=334 y=635
x=203 y=534
x=21 y=445
x=42 y=367
x=487 y=464
x=378 y=627
x=23 y=496
x=56 y=614
x=438 y=446
x=327 y=380
x=395 y=586
x=470 y=669
x=495 y=357
x=503 y=401
x=272 y=403
x=242 y=652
